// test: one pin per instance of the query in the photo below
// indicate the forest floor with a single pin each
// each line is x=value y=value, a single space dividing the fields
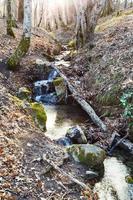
x=100 y=75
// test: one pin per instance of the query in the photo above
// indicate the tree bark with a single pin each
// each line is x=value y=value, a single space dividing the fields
x=9 y=20
x=108 y=8
x=24 y=44
x=86 y=20
x=21 y=11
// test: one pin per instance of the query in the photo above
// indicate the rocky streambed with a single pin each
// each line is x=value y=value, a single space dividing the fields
x=64 y=118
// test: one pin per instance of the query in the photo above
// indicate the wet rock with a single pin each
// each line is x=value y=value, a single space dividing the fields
x=48 y=98
x=43 y=68
x=90 y=155
x=24 y=93
x=43 y=87
x=39 y=115
x=60 y=88
x=76 y=135
x=52 y=75
x=124 y=144
x=65 y=141
x=91 y=174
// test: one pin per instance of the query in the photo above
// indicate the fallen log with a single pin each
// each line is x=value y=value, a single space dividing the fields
x=117 y=141
x=85 y=105
x=121 y=142
x=81 y=184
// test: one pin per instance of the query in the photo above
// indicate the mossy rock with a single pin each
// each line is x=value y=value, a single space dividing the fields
x=39 y=115
x=129 y=179
x=16 y=100
x=24 y=93
x=58 y=81
x=72 y=44
x=60 y=88
x=88 y=154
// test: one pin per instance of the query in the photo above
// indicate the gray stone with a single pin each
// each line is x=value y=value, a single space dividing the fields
x=76 y=135
x=90 y=155
x=24 y=93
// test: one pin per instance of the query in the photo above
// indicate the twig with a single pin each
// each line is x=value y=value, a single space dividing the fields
x=118 y=143
x=83 y=185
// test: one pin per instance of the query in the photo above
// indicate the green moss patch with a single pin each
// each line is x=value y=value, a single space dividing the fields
x=21 y=51
x=72 y=44
x=24 y=93
x=58 y=81
x=87 y=154
x=39 y=115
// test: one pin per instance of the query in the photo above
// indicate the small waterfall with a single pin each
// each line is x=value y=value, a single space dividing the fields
x=53 y=74
x=41 y=87
x=44 y=90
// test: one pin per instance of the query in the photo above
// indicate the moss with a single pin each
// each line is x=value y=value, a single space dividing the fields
x=24 y=93
x=89 y=155
x=72 y=44
x=16 y=101
x=39 y=115
x=9 y=29
x=58 y=81
x=129 y=179
x=21 y=51
x=9 y=19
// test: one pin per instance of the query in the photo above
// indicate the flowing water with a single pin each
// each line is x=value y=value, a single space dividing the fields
x=60 y=118
x=113 y=186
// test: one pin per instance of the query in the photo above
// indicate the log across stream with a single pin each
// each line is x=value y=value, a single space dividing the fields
x=115 y=184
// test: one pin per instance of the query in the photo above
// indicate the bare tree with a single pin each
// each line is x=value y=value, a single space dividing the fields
x=24 y=44
x=9 y=19
x=87 y=16
x=108 y=8
x=21 y=10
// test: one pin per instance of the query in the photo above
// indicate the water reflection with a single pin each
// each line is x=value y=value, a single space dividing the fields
x=61 y=118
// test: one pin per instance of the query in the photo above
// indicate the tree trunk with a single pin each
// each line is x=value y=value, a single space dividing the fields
x=9 y=20
x=24 y=44
x=108 y=8
x=21 y=11
x=125 y=4
x=87 y=16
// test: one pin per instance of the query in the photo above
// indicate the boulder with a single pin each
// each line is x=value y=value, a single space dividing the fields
x=90 y=155
x=91 y=175
x=43 y=87
x=76 y=135
x=60 y=88
x=39 y=115
x=49 y=98
x=24 y=93
x=43 y=68
x=65 y=141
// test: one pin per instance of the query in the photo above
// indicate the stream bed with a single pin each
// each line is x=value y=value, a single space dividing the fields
x=114 y=184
